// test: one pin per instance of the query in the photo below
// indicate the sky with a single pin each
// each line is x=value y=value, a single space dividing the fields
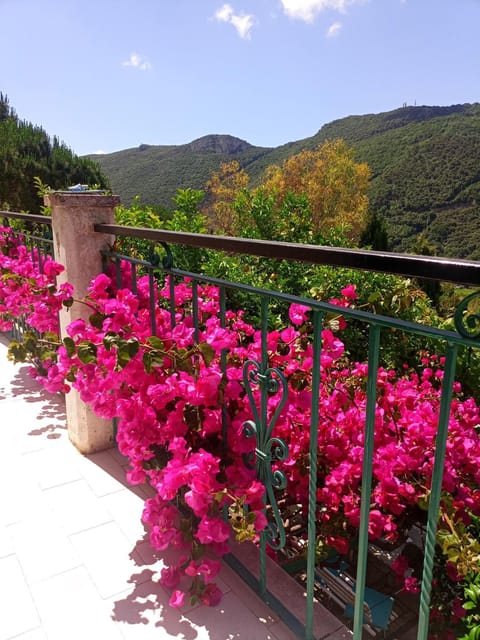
x=107 y=75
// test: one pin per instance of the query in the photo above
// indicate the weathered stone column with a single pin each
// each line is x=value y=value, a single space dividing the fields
x=77 y=248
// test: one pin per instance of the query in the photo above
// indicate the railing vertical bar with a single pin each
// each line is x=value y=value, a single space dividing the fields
x=171 y=284
x=373 y=357
x=436 y=489
x=223 y=361
x=264 y=330
x=104 y=263
x=263 y=421
x=223 y=307
x=312 y=478
x=134 y=278
x=41 y=255
x=45 y=253
x=118 y=273
x=195 y=310
x=151 y=294
x=38 y=248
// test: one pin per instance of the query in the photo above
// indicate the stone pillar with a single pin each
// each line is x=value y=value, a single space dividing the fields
x=77 y=248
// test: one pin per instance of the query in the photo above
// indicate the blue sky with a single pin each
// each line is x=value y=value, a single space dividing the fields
x=113 y=74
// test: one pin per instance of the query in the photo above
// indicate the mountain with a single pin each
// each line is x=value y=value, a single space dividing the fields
x=156 y=172
x=425 y=164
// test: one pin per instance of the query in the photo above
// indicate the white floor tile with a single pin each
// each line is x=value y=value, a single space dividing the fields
x=18 y=613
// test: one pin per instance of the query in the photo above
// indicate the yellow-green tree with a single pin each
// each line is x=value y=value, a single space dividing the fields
x=335 y=185
x=221 y=191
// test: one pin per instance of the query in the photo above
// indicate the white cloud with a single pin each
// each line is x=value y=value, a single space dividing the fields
x=334 y=29
x=225 y=13
x=307 y=10
x=99 y=152
x=137 y=62
x=242 y=22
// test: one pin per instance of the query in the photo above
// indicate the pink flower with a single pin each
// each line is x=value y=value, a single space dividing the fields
x=452 y=573
x=298 y=313
x=211 y=596
x=212 y=530
x=376 y=523
x=170 y=577
x=339 y=543
x=99 y=285
x=206 y=568
x=177 y=599
x=411 y=585
x=458 y=609
x=400 y=565
x=349 y=292
x=260 y=520
x=255 y=495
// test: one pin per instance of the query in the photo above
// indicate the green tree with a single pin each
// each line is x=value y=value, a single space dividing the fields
x=27 y=151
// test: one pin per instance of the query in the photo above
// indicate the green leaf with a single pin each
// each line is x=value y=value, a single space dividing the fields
x=155 y=342
x=424 y=501
x=472 y=593
x=69 y=346
x=474 y=633
x=71 y=375
x=133 y=347
x=87 y=352
x=374 y=297
x=96 y=320
x=207 y=351
x=123 y=354
x=17 y=352
x=48 y=355
x=184 y=363
x=147 y=361
x=110 y=339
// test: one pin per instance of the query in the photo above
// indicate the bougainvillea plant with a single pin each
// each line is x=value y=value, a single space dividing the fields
x=182 y=406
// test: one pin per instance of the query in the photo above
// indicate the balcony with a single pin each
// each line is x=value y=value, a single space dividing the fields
x=95 y=514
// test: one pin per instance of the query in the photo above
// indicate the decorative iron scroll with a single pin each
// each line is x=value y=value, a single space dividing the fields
x=167 y=260
x=467 y=323
x=270 y=381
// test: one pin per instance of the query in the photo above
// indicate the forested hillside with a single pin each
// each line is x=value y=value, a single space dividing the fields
x=27 y=151
x=156 y=172
x=425 y=164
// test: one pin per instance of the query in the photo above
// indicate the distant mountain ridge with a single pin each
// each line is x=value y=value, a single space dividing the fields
x=425 y=164
x=155 y=172
x=220 y=144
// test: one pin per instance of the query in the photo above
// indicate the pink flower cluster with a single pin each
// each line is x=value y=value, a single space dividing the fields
x=25 y=291
x=176 y=401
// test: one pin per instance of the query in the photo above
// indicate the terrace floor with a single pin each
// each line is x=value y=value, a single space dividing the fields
x=74 y=559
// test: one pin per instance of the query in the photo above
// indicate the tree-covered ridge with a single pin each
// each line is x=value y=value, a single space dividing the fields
x=424 y=161
x=27 y=151
x=156 y=172
x=426 y=180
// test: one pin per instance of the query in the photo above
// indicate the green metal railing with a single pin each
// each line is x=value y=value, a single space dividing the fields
x=268 y=447
x=36 y=232
x=263 y=381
